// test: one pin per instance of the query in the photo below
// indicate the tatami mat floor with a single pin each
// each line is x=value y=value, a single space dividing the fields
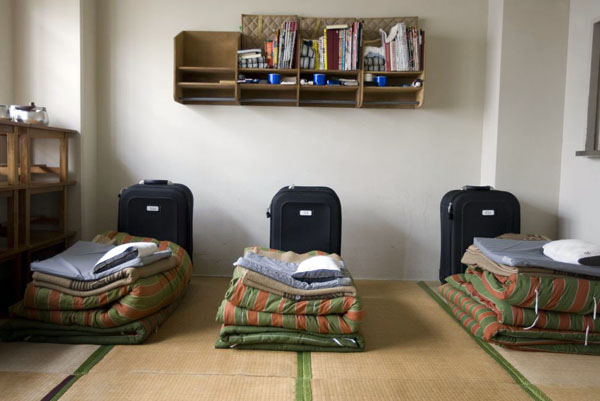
x=415 y=351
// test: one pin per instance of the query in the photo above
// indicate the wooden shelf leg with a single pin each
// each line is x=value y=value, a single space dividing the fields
x=13 y=220
x=24 y=210
x=64 y=158
x=12 y=157
x=24 y=156
x=62 y=212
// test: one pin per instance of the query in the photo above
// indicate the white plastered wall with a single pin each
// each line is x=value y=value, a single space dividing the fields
x=389 y=167
x=579 y=208
x=524 y=103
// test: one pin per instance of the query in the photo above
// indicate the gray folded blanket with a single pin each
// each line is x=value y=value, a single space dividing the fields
x=282 y=272
x=527 y=254
x=78 y=261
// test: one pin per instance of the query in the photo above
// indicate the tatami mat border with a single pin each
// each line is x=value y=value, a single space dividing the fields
x=303 y=377
x=531 y=389
x=85 y=367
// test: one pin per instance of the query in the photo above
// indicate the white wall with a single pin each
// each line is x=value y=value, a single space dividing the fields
x=579 y=190
x=389 y=167
x=524 y=102
x=6 y=84
x=489 y=140
x=47 y=71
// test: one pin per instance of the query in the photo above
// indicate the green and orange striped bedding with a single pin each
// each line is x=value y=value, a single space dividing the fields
x=280 y=339
x=135 y=332
x=346 y=323
x=143 y=298
x=482 y=322
x=262 y=301
x=561 y=294
x=523 y=317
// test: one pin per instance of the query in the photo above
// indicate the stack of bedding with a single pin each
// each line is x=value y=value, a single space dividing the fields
x=514 y=295
x=95 y=292
x=286 y=301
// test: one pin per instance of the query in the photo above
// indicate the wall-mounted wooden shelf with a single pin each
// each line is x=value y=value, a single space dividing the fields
x=204 y=59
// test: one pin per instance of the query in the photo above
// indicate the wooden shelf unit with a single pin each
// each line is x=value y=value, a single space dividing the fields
x=21 y=239
x=203 y=59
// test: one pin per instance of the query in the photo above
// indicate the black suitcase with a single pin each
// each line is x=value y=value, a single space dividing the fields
x=473 y=212
x=305 y=219
x=158 y=209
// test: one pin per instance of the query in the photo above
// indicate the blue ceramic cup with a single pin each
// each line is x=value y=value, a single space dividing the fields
x=319 y=79
x=381 y=80
x=274 y=79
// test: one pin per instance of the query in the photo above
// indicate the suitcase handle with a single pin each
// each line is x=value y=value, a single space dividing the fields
x=477 y=188
x=156 y=182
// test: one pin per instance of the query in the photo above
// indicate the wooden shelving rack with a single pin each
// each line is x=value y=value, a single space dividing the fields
x=204 y=59
x=20 y=239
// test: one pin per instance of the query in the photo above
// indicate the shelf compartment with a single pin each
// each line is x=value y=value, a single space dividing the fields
x=205 y=85
x=267 y=87
x=282 y=71
x=331 y=72
x=266 y=94
x=328 y=88
x=391 y=89
x=206 y=70
x=414 y=74
x=202 y=59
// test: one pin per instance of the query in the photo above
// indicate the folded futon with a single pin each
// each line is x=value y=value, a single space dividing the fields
x=125 y=314
x=548 y=311
x=325 y=318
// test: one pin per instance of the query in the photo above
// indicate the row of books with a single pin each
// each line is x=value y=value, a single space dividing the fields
x=403 y=48
x=281 y=51
x=340 y=46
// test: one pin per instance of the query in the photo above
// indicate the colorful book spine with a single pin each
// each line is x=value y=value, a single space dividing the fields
x=325 y=53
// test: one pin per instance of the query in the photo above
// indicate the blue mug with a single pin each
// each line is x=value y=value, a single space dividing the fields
x=274 y=79
x=381 y=80
x=319 y=79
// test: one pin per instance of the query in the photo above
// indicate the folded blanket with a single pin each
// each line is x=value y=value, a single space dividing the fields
x=146 y=296
x=561 y=294
x=262 y=301
x=96 y=287
x=527 y=253
x=482 y=323
x=279 y=339
x=134 y=332
x=522 y=317
x=262 y=262
x=256 y=280
x=474 y=257
x=78 y=262
x=346 y=323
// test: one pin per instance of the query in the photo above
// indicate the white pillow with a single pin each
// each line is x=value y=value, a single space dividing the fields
x=573 y=251
x=320 y=262
x=319 y=268
x=143 y=249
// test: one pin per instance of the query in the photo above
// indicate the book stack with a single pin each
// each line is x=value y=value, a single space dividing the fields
x=403 y=48
x=251 y=58
x=281 y=51
x=339 y=47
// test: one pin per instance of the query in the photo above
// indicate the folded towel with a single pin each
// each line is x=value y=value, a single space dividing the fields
x=124 y=253
x=573 y=251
